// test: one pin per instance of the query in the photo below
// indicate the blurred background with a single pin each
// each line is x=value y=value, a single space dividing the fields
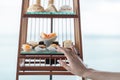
x=100 y=34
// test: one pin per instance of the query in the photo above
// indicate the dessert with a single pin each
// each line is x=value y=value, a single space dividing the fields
x=51 y=7
x=40 y=47
x=51 y=35
x=44 y=36
x=53 y=46
x=65 y=8
x=36 y=7
x=56 y=42
x=48 y=36
x=33 y=44
x=67 y=44
x=26 y=47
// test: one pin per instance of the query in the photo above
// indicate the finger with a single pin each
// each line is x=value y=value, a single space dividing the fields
x=73 y=50
x=59 y=49
x=64 y=65
x=68 y=55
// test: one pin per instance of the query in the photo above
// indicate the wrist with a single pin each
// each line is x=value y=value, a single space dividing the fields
x=88 y=73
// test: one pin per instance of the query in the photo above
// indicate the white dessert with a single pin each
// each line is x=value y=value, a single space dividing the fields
x=65 y=8
x=32 y=43
x=52 y=47
x=67 y=44
x=40 y=48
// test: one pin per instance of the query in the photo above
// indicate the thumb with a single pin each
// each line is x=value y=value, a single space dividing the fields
x=64 y=65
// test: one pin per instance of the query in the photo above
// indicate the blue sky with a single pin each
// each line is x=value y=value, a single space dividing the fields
x=97 y=16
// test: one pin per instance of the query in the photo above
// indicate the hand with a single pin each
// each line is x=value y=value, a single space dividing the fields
x=76 y=65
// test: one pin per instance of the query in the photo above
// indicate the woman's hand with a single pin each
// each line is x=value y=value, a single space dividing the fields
x=76 y=65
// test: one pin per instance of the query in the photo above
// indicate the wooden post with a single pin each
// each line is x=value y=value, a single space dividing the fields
x=77 y=28
x=22 y=33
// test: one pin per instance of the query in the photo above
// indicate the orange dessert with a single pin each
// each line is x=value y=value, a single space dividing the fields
x=26 y=47
x=47 y=36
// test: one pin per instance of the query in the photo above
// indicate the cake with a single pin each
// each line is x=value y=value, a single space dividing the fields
x=65 y=8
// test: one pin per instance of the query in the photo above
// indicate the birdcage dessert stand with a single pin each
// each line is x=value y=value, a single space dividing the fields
x=65 y=25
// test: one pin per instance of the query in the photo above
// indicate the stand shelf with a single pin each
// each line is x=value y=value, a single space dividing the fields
x=49 y=16
x=66 y=26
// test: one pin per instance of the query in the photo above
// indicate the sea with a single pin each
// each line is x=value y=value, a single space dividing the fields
x=100 y=52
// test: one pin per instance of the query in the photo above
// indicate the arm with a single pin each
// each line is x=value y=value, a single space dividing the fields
x=101 y=75
x=77 y=67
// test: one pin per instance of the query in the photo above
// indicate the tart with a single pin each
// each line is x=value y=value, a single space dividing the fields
x=26 y=47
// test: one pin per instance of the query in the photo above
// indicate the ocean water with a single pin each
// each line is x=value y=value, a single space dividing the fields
x=100 y=52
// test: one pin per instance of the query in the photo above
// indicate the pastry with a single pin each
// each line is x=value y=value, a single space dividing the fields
x=33 y=44
x=53 y=46
x=48 y=36
x=51 y=35
x=26 y=47
x=67 y=44
x=65 y=8
x=51 y=7
x=36 y=7
x=40 y=47
x=56 y=42
x=44 y=35
x=41 y=43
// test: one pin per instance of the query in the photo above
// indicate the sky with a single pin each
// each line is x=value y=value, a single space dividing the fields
x=97 y=17
x=100 y=17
